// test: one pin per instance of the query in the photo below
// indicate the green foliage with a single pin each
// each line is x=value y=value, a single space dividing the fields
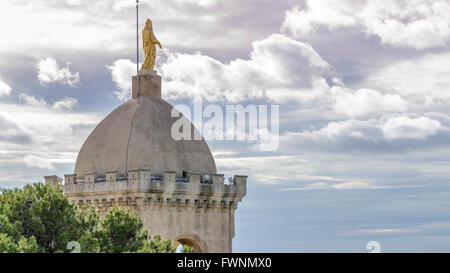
x=24 y=245
x=89 y=243
x=156 y=245
x=42 y=214
x=40 y=218
x=121 y=232
x=186 y=249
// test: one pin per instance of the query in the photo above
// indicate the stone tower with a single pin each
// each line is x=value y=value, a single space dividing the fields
x=131 y=160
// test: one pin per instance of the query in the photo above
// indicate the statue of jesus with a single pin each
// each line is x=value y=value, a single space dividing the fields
x=149 y=41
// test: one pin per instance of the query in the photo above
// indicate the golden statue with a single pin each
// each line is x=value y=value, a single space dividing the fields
x=149 y=41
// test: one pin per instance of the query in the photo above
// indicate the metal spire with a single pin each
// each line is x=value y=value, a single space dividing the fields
x=137 y=78
x=137 y=48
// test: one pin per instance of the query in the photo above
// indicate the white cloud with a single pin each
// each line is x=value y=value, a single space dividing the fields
x=305 y=171
x=121 y=72
x=297 y=173
x=303 y=21
x=309 y=187
x=279 y=68
x=428 y=227
x=4 y=88
x=261 y=168
x=73 y=2
x=49 y=71
x=96 y=26
x=223 y=153
x=48 y=126
x=350 y=185
x=66 y=103
x=365 y=101
x=39 y=162
x=32 y=100
x=418 y=24
x=40 y=137
x=367 y=130
x=88 y=28
x=423 y=80
x=410 y=127
x=388 y=230
x=11 y=132
x=415 y=23
x=388 y=134
x=120 y=5
x=355 y=185
x=202 y=3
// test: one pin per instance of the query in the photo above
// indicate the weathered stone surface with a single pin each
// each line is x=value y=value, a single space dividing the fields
x=52 y=180
x=149 y=84
x=137 y=134
x=186 y=211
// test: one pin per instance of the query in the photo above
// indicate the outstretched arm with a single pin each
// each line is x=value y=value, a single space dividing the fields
x=155 y=41
x=158 y=43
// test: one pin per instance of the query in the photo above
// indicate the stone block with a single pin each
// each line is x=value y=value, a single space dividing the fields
x=149 y=84
x=70 y=179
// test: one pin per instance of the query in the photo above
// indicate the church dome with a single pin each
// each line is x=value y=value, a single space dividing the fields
x=137 y=135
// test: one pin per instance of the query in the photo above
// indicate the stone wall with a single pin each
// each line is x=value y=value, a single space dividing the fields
x=196 y=209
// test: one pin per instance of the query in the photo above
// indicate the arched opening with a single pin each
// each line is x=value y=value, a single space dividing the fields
x=178 y=244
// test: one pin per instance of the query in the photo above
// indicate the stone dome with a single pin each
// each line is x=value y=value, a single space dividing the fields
x=137 y=135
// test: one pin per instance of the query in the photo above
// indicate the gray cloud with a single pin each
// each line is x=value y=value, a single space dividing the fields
x=389 y=134
x=10 y=132
x=416 y=24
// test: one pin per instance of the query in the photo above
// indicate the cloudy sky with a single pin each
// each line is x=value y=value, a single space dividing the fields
x=363 y=88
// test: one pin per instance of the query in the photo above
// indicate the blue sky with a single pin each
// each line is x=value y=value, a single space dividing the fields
x=363 y=89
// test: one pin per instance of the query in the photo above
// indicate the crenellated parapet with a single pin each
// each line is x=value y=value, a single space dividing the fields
x=141 y=188
x=53 y=180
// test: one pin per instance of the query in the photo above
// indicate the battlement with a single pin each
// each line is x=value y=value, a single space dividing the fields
x=144 y=182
